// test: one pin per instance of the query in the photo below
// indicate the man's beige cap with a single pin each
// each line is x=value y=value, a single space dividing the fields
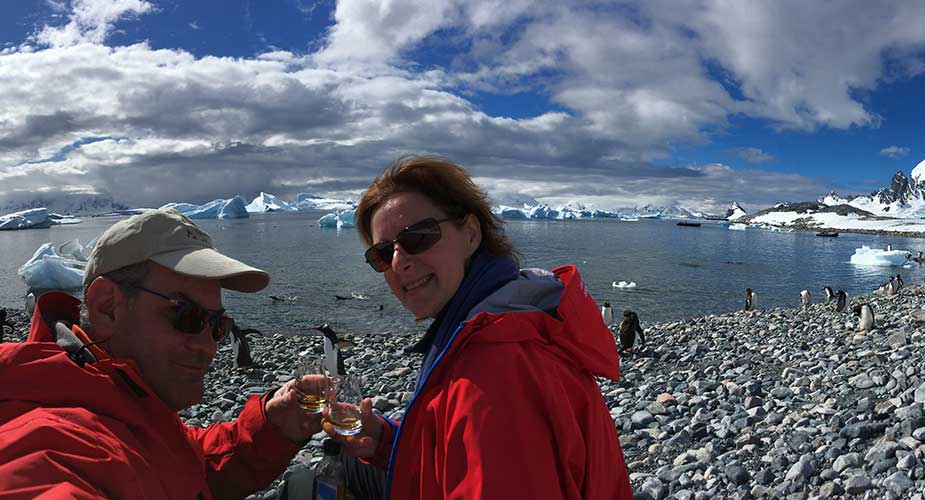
x=168 y=238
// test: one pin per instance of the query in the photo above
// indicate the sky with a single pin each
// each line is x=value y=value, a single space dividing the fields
x=698 y=103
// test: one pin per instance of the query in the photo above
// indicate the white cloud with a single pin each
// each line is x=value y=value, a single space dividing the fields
x=91 y=21
x=630 y=82
x=894 y=152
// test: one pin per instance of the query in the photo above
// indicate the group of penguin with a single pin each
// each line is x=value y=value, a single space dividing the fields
x=863 y=310
x=628 y=328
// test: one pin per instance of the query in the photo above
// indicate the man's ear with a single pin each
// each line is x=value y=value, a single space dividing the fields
x=102 y=301
x=473 y=230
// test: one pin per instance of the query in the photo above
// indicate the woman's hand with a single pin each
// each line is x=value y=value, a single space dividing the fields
x=364 y=443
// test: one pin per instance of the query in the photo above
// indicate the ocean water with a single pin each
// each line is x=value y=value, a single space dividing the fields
x=680 y=272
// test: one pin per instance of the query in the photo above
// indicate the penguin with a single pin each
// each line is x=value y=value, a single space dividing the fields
x=919 y=259
x=828 y=294
x=342 y=297
x=805 y=298
x=884 y=289
x=866 y=313
x=899 y=280
x=240 y=348
x=889 y=247
x=381 y=307
x=607 y=313
x=333 y=359
x=893 y=286
x=629 y=327
x=751 y=300
x=841 y=301
x=30 y=304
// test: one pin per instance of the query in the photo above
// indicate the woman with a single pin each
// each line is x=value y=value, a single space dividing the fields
x=506 y=405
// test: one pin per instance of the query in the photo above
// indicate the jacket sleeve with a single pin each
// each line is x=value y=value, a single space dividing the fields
x=495 y=437
x=246 y=455
x=383 y=451
x=45 y=457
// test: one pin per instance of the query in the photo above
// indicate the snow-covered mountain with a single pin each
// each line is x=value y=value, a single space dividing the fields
x=735 y=212
x=904 y=198
x=307 y=201
x=72 y=204
x=267 y=202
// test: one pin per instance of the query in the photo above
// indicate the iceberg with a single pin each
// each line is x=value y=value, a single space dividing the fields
x=306 y=201
x=55 y=270
x=220 y=209
x=183 y=208
x=513 y=213
x=58 y=219
x=341 y=220
x=624 y=284
x=36 y=218
x=738 y=227
x=866 y=256
x=268 y=203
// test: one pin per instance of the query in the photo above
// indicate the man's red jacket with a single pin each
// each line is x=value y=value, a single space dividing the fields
x=98 y=431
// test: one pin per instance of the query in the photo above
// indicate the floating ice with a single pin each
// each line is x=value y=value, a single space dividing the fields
x=738 y=227
x=624 y=284
x=35 y=218
x=866 y=256
x=308 y=201
x=220 y=209
x=51 y=270
x=266 y=202
x=328 y=220
x=345 y=219
x=183 y=208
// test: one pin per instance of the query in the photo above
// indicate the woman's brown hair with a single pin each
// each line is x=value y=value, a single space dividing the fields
x=447 y=185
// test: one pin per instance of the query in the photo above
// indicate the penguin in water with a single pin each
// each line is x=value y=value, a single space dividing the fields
x=805 y=298
x=629 y=327
x=751 y=300
x=240 y=348
x=919 y=259
x=866 y=313
x=841 y=301
x=607 y=314
x=333 y=359
x=828 y=294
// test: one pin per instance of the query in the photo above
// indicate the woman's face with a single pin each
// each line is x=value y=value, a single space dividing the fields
x=425 y=282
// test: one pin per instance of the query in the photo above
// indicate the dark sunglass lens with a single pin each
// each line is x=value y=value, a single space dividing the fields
x=418 y=239
x=191 y=318
x=379 y=256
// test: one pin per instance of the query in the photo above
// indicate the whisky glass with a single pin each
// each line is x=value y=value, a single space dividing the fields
x=314 y=393
x=343 y=411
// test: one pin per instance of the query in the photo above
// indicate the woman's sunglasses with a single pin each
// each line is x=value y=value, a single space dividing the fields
x=413 y=239
x=192 y=318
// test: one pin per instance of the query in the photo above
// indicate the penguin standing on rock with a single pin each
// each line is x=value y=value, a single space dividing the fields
x=629 y=327
x=866 y=313
x=240 y=348
x=841 y=301
x=828 y=294
x=893 y=286
x=333 y=359
x=751 y=300
x=899 y=280
x=607 y=314
x=805 y=298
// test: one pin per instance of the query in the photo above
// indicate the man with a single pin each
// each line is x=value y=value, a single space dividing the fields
x=90 y=410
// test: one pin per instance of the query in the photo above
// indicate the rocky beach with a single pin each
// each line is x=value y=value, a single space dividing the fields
x=776 y=403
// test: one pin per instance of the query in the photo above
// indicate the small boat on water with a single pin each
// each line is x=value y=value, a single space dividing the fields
x=827 y=234
x=689 y=224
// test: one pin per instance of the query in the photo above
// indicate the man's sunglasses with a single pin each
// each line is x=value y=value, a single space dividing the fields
x=413 y=239
x=190 y=317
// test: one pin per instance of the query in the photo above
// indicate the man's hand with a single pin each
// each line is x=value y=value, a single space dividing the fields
x=362 y=444
x=284 y=409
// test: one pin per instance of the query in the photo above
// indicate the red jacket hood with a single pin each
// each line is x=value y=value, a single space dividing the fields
x=563 y=312
x=39 y=370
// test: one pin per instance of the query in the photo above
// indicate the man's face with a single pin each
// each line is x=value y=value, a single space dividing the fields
x=172 y=362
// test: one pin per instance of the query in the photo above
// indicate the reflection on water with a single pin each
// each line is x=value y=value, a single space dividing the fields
x=680 y=272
